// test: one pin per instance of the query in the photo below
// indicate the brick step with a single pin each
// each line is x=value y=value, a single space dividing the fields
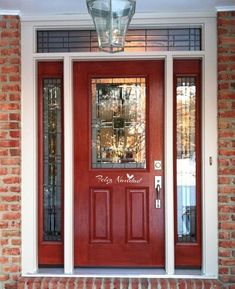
x=116 y=283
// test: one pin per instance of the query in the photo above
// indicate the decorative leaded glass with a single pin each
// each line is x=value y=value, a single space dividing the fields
x=162 y=39
x=52 y=156
x=118 y=123
x=186 y=159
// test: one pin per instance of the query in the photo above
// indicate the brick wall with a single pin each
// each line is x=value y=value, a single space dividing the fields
x=9 y=150
x=226 y=131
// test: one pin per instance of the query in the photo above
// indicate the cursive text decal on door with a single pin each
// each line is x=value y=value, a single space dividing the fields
x=128 y=179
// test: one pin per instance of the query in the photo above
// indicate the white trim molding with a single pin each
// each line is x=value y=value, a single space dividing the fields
x=225 y=8
x=10 y=12
x=209 y=135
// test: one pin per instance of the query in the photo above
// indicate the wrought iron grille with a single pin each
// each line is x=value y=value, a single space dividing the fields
x=138 y=40
x=52 y=149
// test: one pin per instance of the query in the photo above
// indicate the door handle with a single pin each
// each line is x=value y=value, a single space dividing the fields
x=157 y=185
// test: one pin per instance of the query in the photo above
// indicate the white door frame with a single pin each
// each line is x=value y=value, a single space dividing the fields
x=29 y=25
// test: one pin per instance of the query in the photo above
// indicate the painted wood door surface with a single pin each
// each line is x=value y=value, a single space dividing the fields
x=118 y=137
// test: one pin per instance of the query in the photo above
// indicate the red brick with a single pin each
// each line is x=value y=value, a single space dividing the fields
x=125 y=283
x=10 y=34
x=15 y=152
x=4 y=242
x=14 y=189
x=12 y=268
x=14 y=116
x=11 y=216
x=3 y=207
x=226 y=95
x=227 y=171
x=153 y=283
x=10 y=87
x=10 y=161
x=15 y=171
x=9 y=125
x=143 y=282
x=173 y=284
x=3 y=96
x=228 y=209
x=223 y=162
x=11 y=180
x=3 y=152
x=3 y=171
x=199 y=284
x=227 y=114
x=225 y=22
x=14 y=134
x=10 y=251
x=227 y=39
x=14 y=96
x=223 y=270
x=164 y=284
x=223 y=85
x=224 y=180
x=223 y=199
x=226 y=190
x=4 y=277
x=12 y=198
x=225 y=58
x=227 y=226
x=224 y=235
x=227 y=262
x=224 y=217
x=227 y=244
x=226 y=134
x=3 y=189
x=16 y=259
x=15 y=242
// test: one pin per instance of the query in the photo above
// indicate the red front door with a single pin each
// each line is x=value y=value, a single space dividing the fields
x=118 y=152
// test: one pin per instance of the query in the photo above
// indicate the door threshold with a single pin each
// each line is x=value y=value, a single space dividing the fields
x=119 y=273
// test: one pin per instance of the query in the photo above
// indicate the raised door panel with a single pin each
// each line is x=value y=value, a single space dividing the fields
x=100 y=215
x=137 y=212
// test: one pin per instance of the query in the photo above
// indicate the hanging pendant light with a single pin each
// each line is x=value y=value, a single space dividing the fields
x=111 y=19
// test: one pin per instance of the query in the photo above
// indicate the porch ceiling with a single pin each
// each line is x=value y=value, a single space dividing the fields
x=45 y=7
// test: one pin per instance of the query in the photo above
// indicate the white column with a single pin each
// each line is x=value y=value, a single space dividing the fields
x=209 y=149
x=169 y=192
x=68 y=168
x=29 y=152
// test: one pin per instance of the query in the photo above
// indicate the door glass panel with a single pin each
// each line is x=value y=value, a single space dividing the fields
x=118 y=123
x=52 y=155
x=186 y=158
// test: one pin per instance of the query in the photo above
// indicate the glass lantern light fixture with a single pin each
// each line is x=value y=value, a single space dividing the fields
x=111 y=19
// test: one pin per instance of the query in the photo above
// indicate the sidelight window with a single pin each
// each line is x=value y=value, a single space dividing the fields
x=52 y=155
x=50 y=166
x=187 y=162
x=186 y=158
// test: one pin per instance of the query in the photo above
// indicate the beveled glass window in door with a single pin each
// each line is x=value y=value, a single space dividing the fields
x=186 y=158
x=52 y=155
x=118 y=123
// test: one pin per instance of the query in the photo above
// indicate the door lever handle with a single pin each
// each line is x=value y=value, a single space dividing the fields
x=158 y=191
x=158 y=188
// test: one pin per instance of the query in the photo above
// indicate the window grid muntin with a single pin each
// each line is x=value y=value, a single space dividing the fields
x=164 y=39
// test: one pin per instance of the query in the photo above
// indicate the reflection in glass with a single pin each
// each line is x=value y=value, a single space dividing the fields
x=118 y=123
x=52 y=159
x=186 y=159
